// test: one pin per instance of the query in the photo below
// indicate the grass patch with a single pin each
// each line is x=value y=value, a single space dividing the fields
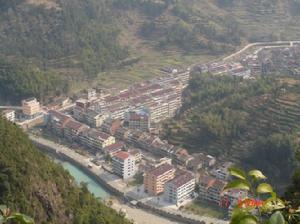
x=200 y=207
x=137 y=180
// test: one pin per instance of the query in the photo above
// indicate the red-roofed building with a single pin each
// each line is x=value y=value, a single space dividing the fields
x=137 y=120
x=124 y=164
x=180 y=189
x=154 y=180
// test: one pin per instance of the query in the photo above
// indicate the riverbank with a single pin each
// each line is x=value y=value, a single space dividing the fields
x=81 y=177
x=118 y=188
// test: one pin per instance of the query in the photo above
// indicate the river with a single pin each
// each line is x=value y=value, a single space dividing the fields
x=80 y=176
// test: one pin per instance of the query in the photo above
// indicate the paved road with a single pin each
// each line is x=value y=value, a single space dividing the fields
x=11 y=107
x=141 y=216
x=267 y=44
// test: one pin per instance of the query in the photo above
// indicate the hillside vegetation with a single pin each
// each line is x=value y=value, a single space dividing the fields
x=20 y=81
x=244 y=121
x=32 y=184
x=79 y=39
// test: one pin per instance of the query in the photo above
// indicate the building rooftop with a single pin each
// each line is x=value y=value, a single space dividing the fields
x=122 y=155
x=207 y=181
x=182 y=179
x=98 y=134
x=75 y=125
x=115 y=146
x=219 y=185
x=161 y=169
x=58 y=116
x=30 y=99
x=7 y=111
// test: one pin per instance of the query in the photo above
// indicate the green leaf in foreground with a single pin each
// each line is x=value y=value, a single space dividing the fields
x=234 y=171
x=277 y=218
x=264 y=188
x=241 y=217
x=257 y=174
x=21 y=218
x=272 y=204
x=238 y=184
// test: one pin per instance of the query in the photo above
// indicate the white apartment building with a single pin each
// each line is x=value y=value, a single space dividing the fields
x=180 y=189
x=124 y=164
x=9 y=115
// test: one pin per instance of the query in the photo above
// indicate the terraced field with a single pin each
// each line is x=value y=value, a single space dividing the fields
x=277 y=112
x=269 y=114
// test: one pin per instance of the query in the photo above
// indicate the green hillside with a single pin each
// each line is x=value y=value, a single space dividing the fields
x=34 y=185
x=123 y=41
x=244 y=121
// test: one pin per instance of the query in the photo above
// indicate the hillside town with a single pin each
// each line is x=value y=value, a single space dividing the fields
x=120 y=130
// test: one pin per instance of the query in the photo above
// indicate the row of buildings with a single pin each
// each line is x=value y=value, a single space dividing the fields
x=141 y=105
x=176 y=186
x=65 y=126
x=30 y=108
x=264 y=60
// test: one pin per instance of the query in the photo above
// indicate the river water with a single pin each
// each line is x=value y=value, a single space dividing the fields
x=80 y=176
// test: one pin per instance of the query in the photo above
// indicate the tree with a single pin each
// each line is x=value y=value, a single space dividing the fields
x=7 y=216
x=270 y=210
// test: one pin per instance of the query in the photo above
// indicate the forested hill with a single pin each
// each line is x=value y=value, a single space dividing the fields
x=78 y=39
x=34 y=185
x=254 y=123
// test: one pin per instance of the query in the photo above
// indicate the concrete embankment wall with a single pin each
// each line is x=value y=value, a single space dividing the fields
x=169 y=215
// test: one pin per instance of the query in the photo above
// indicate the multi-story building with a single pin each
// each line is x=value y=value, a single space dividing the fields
x=180 y=189
x=9 y=115
x=211 y=189
x=123 y=164
x=155 y=179
x=95 y=119
x=96 y=139
x=111 y=126
x=136 y=153
x=222 y=172
x=30 y=107
x=91 y=93
x=137 y=120
x=114 y=148
x=57 y=121
x=72 y=129
x=232 y=197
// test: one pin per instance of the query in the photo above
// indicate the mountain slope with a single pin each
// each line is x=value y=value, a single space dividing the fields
x=243 y=121
x=79 y=39
x=34 y=185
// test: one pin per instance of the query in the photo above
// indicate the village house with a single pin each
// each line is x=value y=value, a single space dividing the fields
x=211 y=189
x=9 y=115
x=96 y=139
x=114 y=148
x=155 y=179
x=57 y=122
x=30 y=107
x=72 y=129
x=124 y=164
x=180 y=189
